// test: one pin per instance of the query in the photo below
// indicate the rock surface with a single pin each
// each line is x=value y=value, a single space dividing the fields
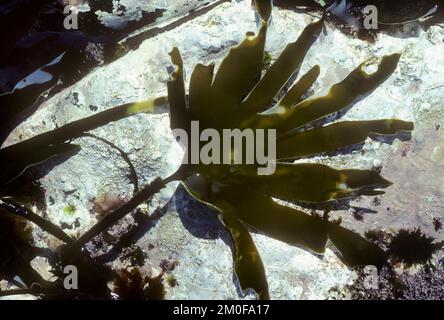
x=186 y=232
x=125 y=11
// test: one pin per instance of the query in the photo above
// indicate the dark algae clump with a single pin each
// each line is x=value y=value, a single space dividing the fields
x=133 y=285
x=415 y=277
x=412 y=247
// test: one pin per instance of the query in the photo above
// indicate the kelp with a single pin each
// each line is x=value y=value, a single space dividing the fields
x=17 y=252
x=248 y=265
x=15 y=159
x=238 y=96
x=312 y=183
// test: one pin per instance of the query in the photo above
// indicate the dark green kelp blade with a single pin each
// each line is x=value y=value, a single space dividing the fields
x=248 y=264
x=355 y=250
x=236 y=76
x=372 y=178
x=287 y=65
x=264 y=9
x=294 y=95
x=200 y=97
x=336 y=136
x=14 y=164
x=280 y=222
x=298 y=228
x=341 y=95
x=176 y=94
x=314 y=183
x=34 y=150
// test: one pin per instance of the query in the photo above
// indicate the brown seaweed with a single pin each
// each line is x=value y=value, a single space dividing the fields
x=236 y=96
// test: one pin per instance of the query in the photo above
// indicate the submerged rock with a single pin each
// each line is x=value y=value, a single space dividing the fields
x=185 y=231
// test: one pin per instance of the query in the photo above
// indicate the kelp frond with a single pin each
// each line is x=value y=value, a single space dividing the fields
x=237 y=96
